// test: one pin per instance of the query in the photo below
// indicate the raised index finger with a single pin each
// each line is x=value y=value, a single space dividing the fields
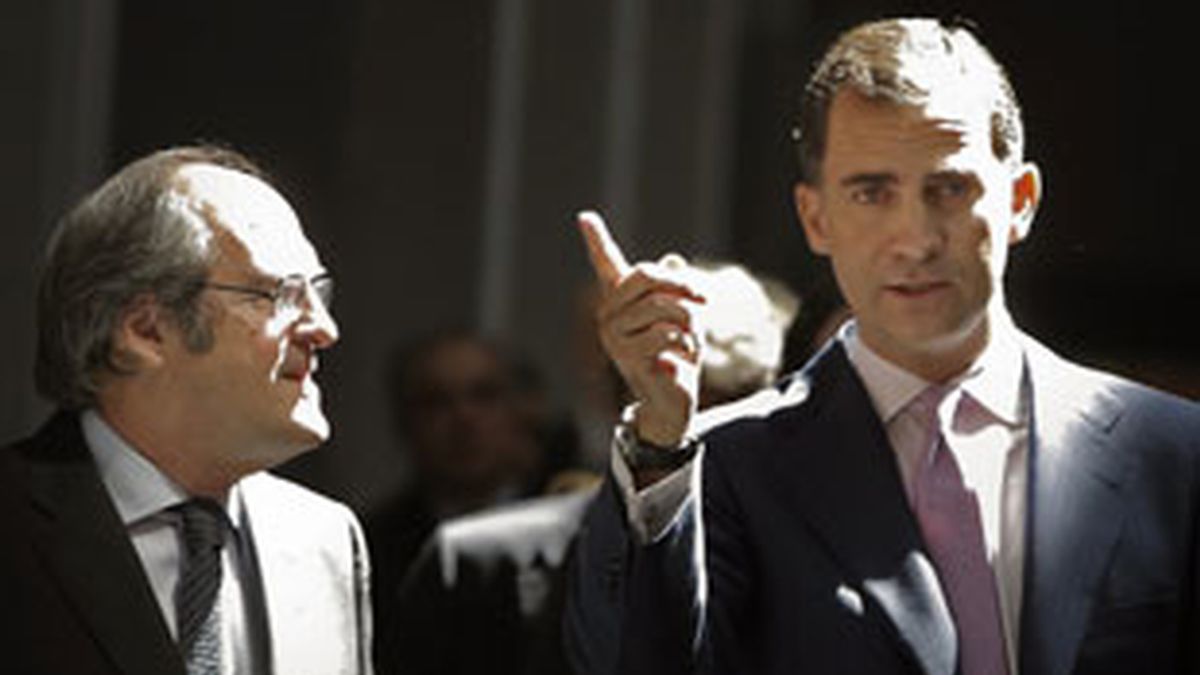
x=606 y=256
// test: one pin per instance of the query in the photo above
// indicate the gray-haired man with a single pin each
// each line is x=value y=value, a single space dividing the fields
x=181 y=312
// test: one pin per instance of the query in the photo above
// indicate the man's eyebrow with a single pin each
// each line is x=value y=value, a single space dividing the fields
x=953 y=175
x=950 y=174
x=880 y=178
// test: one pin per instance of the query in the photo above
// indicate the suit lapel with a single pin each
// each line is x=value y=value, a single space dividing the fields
x=1072 y=508
x=303 y=584
x=77 y=531
x=852 y=495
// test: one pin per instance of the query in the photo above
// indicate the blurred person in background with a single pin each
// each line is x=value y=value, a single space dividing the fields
x=472 y=426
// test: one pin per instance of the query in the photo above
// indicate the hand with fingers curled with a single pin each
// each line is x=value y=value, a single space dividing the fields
x=649 y=319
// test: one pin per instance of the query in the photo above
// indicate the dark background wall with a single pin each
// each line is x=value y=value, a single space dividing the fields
x=438 y=151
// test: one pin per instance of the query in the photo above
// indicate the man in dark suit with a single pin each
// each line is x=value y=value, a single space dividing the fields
x=181 y=311
x=935 y=492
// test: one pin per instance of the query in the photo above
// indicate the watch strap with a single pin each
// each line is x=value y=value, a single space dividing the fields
x=641 y=456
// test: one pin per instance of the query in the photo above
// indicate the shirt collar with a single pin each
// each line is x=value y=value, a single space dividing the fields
x=889 y=386
x=138 y=488
x=993 y=380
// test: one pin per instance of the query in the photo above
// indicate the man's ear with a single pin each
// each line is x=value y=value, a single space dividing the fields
x=1027 y=195
x=811 y=211
x=139 y=338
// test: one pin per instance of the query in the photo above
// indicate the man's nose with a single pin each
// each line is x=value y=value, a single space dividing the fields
x=917 y=231
x=318 y=325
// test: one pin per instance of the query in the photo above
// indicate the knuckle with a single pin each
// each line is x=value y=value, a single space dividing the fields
x=667 y=331
x=666 y=303
x=643 y=272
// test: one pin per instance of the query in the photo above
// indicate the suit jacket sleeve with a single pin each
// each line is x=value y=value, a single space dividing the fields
x=633 y=609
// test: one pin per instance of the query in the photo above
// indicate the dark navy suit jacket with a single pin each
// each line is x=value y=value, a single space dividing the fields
x=807 y=559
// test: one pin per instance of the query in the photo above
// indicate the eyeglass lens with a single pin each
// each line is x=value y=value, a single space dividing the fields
x=292 y=291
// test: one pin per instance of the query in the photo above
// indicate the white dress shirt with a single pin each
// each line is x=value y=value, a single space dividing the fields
x=989 y=439
x=143 y=497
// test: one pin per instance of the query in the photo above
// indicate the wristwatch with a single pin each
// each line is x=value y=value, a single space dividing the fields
x=642 y=456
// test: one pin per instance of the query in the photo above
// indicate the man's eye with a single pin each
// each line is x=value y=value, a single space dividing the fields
x=870 y=195
x=949 y=191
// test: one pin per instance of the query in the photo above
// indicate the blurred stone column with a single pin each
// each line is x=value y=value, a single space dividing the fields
x=56 y=72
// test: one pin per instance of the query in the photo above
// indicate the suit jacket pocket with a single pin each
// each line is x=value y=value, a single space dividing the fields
x=1141 y=637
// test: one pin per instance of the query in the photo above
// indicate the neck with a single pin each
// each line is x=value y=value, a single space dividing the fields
x=941 y=360
x=187 y=459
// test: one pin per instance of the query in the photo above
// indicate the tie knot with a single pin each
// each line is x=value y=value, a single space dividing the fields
x=204 y=523
x=926 y=404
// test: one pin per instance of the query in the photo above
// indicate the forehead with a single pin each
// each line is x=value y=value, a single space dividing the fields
x=253 y=223
x=456 y=360
x=945 y=132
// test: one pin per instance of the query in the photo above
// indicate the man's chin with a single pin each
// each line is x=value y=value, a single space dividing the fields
x=309 y=420
x=311 y=430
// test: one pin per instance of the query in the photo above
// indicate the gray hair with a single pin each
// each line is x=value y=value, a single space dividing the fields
x=903 y=61
x=132 y=237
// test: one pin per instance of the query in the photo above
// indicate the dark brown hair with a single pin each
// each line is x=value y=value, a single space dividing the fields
x=903 y=61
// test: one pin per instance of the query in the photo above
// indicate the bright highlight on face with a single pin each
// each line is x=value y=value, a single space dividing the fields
x=257 y=380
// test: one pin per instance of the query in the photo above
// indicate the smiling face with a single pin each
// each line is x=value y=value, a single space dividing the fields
x=916 y=214
x=253 y=392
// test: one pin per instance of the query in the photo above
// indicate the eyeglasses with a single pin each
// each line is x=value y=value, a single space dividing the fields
x=290 y=294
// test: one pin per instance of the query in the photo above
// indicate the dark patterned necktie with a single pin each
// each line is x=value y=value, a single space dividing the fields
x=197 y=613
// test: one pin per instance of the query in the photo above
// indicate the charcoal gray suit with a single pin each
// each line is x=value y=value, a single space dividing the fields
x=79 y=601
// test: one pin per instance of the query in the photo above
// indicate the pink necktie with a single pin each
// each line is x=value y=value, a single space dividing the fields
x=950 y=523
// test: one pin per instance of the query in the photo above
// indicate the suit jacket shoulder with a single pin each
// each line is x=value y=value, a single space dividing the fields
x=1114 y=489
x=751 y=427
x=486 y=594
x=1107 y=398
x=538 y=529
x=789 y=393
x=68 y=568
x=297 y=505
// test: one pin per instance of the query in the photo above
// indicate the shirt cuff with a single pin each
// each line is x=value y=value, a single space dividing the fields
x=651 y=511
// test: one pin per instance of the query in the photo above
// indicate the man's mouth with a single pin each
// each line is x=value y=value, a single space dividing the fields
x=298 y=370
x=917 y=289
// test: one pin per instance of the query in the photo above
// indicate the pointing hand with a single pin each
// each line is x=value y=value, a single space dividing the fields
x=647 y=319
